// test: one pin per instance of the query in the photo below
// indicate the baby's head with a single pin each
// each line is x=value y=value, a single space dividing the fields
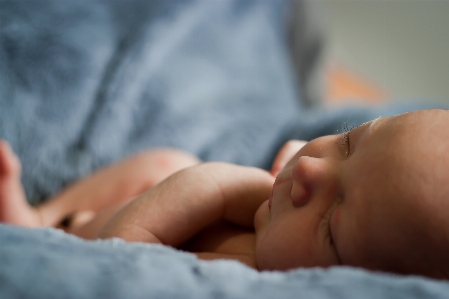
x=376 y=197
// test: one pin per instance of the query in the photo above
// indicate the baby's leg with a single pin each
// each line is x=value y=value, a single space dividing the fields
x=115 y=184
x=14 y=208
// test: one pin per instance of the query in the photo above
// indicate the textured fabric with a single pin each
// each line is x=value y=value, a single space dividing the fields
x=49 y=264
x=83 y=84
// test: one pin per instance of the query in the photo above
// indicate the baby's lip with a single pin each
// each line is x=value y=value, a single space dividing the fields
x=282 y=177
x=270 y=200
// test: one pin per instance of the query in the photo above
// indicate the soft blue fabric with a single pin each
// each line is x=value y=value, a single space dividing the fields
x=86 y=83
x=83 y=84
x=49 y=264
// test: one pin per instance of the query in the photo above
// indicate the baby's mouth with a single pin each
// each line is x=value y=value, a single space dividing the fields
x=270 y=200
x=282 y=177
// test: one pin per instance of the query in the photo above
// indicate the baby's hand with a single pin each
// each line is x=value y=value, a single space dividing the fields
x=284 y=155
x=188 y=201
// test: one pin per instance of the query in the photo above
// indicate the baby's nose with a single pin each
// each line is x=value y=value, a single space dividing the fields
x=309 y=176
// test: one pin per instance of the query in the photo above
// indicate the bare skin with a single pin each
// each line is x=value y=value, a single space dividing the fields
x=211 y=212
x=220 y=239
x=90 y=202
x=374 y=197
x=14 y=208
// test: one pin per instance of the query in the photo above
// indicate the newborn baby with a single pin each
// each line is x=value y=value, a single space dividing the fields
x=374 y=197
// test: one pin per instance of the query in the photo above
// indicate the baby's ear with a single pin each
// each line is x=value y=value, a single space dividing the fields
x=285 y=154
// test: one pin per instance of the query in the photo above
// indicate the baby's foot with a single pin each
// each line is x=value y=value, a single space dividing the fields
x=14 y=208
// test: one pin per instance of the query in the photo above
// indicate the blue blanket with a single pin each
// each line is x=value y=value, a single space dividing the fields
x=83 y=84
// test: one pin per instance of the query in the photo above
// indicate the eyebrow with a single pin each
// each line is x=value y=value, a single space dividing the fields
x=370 y=121
x=374 y=121
x=380 y=122
x=372 y=124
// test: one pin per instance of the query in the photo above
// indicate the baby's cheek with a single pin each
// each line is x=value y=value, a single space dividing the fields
x=345 y=235
x=335 y=224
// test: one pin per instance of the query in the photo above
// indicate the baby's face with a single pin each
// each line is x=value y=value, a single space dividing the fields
x=372 y=197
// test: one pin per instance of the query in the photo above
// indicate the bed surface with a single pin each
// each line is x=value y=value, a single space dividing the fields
x=58 y=265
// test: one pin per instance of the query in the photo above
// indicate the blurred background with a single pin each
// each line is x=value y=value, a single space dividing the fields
x=399 y=47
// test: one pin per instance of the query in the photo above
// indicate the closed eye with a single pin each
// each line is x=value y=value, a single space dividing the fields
x=345 y=143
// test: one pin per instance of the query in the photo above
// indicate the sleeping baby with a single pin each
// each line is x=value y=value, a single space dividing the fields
x=374 y=197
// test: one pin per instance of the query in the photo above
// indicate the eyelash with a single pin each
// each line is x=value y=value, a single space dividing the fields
x=325 y=223
x=344 y=139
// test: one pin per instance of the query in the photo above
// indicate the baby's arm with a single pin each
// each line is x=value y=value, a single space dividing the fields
x=188 y=201
x=116 y=183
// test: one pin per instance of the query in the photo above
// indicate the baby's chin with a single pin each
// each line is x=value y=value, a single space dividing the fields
x=262 y=218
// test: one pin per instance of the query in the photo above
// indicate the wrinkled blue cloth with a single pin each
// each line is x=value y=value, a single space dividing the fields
x=83 y=84
x=50 y=264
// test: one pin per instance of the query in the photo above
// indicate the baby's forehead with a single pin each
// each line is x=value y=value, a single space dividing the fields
x=408 y=155
x=417 y=163
x=423 y=118
x=406 y=201
x=424 y=130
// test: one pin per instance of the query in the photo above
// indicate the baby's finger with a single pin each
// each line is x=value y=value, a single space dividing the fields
x=285 y=154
